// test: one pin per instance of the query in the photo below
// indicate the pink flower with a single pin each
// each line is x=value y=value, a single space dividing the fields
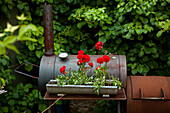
x=106 y=58
x=80 y=52
x=90 y=64
x=100 y=60
x=99 y=45
x=62 y=69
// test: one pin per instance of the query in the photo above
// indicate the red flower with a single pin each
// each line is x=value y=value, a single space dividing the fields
x=79 y=62
x=106 y=58
x=80 y=52
x=99 y=45
x=100 y=60
x=62 y=69
x=98 y=67
x=90 y=64
x=80 y=56
x=86 y=58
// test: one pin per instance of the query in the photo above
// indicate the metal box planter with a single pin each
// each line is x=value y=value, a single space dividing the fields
x=53 y=88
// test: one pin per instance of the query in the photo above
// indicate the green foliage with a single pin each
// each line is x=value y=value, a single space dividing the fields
x=21 y=98
x=8 y=40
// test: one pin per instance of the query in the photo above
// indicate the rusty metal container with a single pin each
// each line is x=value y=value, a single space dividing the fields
x=50 y=67
x=148 y=94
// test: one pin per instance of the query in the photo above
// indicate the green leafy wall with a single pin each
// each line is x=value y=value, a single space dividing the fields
x=138 y=29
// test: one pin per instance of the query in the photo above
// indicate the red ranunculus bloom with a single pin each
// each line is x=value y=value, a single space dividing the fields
x=90 y=64
x=80 y=52
x=79 y=62
x=100 y=60
x=106 y=58
x=62 y=69
x=80 y=56
x=86 y=58
x=99 y=45
x=98 y=67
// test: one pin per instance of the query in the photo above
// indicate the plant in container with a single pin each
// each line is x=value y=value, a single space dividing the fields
x=78 y=82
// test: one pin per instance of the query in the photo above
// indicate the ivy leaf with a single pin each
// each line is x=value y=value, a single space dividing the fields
x=103 y=39
x=31 y=47
x=80 y=24
x=24 y=38
x=83 y=47
x=104 y=27
x=11 y=46
x=3 y=81
x=159 y=33
x=20 y=6
x=10 y=39
x=69 y=1
x=134 y=71
x=10 y=28
x=118 y=41
x=5 y=109
x=24 y=103
x=28 y=67
x=168 y=1
x=22 y=17
x=140 y=37
x=2 y=34
x=25 y=28
x=39 y=53
x=11 y=102
x=153 y=65
x=141 y=53
x=138 y=31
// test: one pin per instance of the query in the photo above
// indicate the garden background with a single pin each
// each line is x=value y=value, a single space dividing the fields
x=138 y=29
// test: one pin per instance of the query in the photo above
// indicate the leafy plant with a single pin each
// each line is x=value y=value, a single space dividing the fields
x=21 y=99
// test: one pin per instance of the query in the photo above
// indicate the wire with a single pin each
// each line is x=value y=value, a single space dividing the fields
x=53 y=103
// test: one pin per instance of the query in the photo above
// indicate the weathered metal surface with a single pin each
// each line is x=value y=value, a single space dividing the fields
x=46 y=71
x=150 y=86
x=48 y=30
x=50 y=66
x=120 y=96
x=53 y=88
x=114 y=65
x=147 y=84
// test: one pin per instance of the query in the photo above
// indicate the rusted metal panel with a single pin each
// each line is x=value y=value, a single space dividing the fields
x=48 y=30
x=146 y=106
x=151 y=86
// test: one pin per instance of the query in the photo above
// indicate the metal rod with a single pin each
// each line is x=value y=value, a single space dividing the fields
x=163 y=93
x=152 y=98
x=25 y=73
x=118 y=107
x=48 y=30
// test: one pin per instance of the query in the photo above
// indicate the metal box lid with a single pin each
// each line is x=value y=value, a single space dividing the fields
x=150 y=87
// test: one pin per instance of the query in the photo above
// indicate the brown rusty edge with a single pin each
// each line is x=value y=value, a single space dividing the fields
x=120 y=96
x=48 y=30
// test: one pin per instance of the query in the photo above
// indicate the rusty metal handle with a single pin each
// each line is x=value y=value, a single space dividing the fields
x=153 y=98
x=25 y=73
